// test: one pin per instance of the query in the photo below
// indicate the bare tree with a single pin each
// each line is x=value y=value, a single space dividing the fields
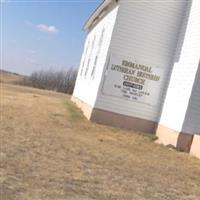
x=60 y=81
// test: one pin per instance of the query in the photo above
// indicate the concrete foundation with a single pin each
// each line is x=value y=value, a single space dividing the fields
x=195 y=147
x=123 y=121
x=166 y=136
x=86 y=109
x=115 y=119
x=182 y=141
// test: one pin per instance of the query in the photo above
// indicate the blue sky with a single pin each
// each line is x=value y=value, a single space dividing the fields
x=44 y=34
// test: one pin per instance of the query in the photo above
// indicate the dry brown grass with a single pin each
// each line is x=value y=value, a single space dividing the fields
x=9 y=77
x=49 y=151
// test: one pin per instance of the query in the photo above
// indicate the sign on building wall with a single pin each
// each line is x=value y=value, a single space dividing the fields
x=133 y=81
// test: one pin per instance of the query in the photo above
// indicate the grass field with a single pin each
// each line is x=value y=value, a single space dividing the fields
x=9 y=77
x=49 y=151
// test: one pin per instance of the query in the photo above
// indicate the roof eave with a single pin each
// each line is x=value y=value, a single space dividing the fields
x=96 y=13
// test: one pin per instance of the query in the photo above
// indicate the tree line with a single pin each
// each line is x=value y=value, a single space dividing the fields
x=60 y=81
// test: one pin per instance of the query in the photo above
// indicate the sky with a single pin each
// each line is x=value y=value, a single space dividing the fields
x=42 y=35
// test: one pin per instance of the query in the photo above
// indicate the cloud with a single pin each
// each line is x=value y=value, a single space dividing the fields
x=46 y=28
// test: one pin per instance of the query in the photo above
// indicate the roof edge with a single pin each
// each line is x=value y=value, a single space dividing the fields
x=95 y=15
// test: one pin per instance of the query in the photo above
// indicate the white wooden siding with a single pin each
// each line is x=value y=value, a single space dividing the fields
x=86 y=87
x=174 y=114
x=147 y=32
x=192 y=120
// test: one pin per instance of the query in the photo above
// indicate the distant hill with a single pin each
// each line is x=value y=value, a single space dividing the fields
x=10 y=77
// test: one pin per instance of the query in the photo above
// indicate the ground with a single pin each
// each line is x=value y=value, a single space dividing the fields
x=49 y=151
x=9 y=77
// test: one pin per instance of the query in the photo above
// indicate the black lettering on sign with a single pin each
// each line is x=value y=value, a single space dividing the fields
x=127 y=96
x=117 y=86
x=124 y=91
x=132 y=85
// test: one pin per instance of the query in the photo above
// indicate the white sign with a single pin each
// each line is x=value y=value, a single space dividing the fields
x=132 y=80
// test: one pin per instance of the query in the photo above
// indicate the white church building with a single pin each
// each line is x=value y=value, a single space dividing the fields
x=140 y=69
